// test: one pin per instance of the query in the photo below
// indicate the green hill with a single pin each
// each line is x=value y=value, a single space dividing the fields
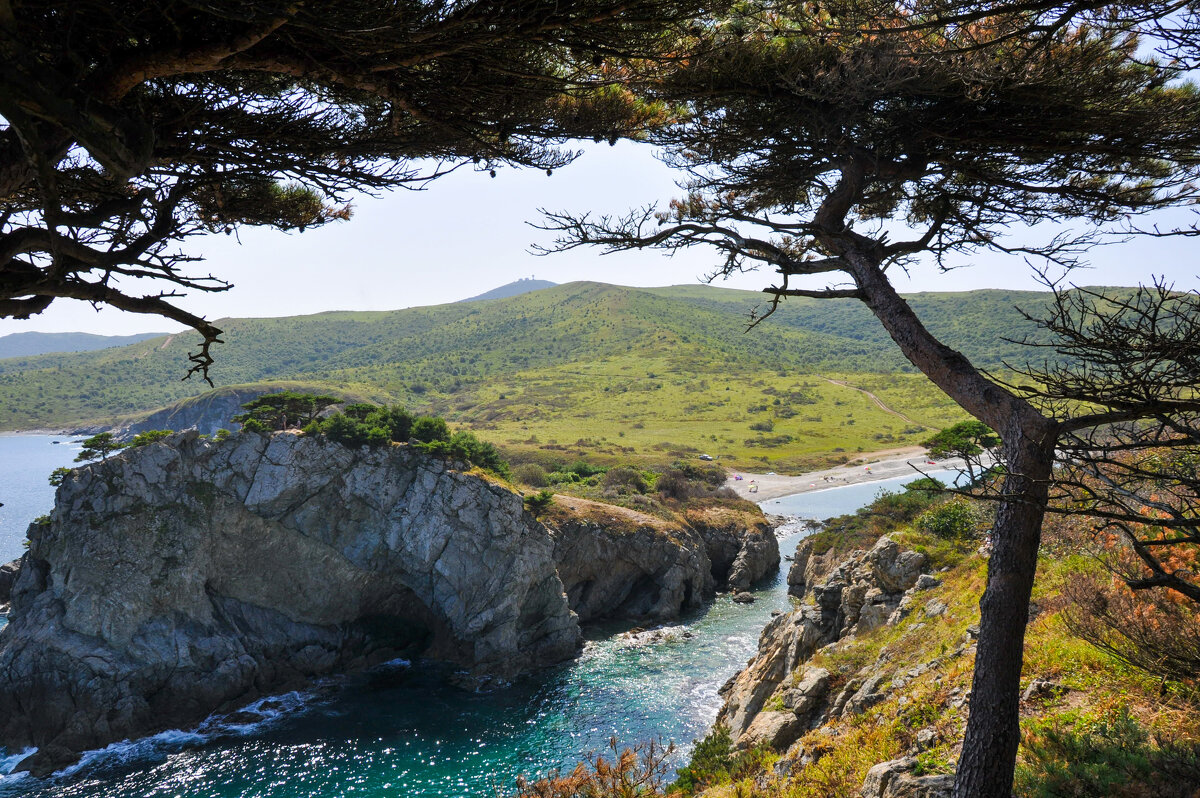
x=564 y=362
x=26 y=344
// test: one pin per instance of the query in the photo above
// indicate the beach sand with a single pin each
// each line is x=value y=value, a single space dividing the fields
x=868 y=467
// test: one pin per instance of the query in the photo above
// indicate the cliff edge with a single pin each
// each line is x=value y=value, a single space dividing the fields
x=186 y=577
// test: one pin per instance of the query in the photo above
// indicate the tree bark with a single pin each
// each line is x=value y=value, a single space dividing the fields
x=985 y=769
x=993 y=728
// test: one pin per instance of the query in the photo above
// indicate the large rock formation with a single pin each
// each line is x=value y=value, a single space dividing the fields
x=620 y=563
x=864 y=591
x=8 y=577
x=181 y=578
x=741 y=547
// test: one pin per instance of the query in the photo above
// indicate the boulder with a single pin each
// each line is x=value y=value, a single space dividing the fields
x=775 y=729
x=192 y=575
x=894 y=779
x=895 y=571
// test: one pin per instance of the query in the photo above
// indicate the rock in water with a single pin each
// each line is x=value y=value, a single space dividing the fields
x=185 y=577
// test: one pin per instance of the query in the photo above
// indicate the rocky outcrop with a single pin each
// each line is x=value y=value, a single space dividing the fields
x=775 y=699
x=615 y=562
x=620 y=563
x=189 y=576
x=809 y=568
x=8 y=577
x=895 y=779
x=741 y=546
x=206 y=413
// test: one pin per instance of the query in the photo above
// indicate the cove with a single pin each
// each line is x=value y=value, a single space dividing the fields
x=401 y=731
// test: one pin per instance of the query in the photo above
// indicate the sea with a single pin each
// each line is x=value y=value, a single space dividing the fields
x=401 y=730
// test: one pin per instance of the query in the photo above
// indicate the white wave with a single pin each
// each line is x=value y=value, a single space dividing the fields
x=254 y=718
x=10 y=761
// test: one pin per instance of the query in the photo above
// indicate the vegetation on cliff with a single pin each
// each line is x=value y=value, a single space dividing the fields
x=1094 y=721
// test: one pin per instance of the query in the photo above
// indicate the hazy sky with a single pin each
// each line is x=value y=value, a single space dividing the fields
x=468 y=233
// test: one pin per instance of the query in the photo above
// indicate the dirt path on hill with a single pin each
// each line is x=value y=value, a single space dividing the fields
x=877 y=401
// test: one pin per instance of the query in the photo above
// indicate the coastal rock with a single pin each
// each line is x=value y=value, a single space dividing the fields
x=205 y=413
x=618 y=563
x=192 y=575
x=859 y=594
x=894 y=779
x=8 y=577
x=740 y=543
x=809 y=569
x=786 y=641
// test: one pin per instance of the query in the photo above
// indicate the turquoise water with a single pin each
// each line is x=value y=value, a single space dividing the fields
x=402 y=732
x=25 y=464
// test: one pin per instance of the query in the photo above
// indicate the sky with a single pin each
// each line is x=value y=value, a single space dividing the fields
x=468 y=233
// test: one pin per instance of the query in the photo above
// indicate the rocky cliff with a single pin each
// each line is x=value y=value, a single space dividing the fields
x=775 y=700
x=620 y=563
x=188 y=576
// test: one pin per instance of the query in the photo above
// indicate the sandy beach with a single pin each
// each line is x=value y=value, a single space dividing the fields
x=867 y=467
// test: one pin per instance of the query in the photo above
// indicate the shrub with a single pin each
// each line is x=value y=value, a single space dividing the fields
x=637 y=772
x=538 y=503
x=714 y=761
x=531 y=474
x=58 y=475
x=428 y=429
x=1073 y=754
x=1155 y=631
x=626 y=477
x=953 y=520
x=149 y=436
x=763 y=426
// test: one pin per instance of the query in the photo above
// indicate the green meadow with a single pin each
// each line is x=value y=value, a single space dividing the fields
x=579 y=370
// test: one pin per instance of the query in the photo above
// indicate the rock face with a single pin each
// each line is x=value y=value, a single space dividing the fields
x=741 y=550
x=861 y=593
x=186 y=577
x=8 y=577
x=206 y=413
x=619 y=563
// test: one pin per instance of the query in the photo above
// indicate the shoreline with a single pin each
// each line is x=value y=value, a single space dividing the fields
x=776 y=486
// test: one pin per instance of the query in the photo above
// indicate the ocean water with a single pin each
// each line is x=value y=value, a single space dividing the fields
x=401 y=731
x=25 y=465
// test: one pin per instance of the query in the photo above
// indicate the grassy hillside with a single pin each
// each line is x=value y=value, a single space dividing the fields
x=28 y=344
x=609 y=367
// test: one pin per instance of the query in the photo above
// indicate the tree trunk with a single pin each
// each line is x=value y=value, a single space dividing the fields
x=985 y=769
x=993 y=728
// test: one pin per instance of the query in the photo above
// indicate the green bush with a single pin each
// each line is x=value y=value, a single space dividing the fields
x=954 y=520
x=626 y=477
x=714 y=761
x=1077 y=755
x=58 y=475
x=149 y=436
x=428 y=429
x=537 y=503
x=531 y=474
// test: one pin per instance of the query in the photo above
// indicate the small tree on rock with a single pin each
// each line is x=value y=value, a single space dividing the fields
x=101 y=445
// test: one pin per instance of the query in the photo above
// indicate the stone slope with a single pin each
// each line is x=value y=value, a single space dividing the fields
x=866 y=590
x=182 y=578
